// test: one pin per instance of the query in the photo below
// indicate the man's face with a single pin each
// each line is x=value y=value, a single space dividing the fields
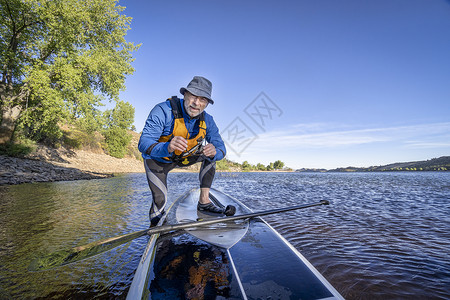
x=194 y=105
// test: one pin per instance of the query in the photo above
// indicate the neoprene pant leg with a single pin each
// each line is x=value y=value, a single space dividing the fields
x=207 y=172
x=157 y=180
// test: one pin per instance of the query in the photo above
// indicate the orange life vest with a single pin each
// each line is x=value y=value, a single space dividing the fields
x=179 y=129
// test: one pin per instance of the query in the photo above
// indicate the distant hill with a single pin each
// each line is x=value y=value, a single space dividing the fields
x=435 y=164
x=311 y=170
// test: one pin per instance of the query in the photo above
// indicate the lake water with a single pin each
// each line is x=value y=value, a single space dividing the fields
x=384 y=236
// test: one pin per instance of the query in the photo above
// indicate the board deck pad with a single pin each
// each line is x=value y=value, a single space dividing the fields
x=224 y=235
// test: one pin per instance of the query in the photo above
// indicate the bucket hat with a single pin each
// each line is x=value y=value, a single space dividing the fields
x=200 y=87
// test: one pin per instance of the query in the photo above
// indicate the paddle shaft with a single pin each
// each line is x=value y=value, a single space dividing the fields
x=189 y=225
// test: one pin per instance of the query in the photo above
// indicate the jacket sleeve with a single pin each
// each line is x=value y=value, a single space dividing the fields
x=213 y=137
x=153 y=129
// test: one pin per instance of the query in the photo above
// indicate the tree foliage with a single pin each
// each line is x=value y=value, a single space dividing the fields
x=118 y=121
x=225 y=165
x=261 y=167
x=278 y=165
x=228 y=165
x=59 y=60
x=246 y=165
x=117 y=140
x=121 y=116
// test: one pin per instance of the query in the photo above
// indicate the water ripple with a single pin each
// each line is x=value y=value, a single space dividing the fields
x=384 y=236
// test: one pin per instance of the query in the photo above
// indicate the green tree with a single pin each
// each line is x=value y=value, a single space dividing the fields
x=121 y=116
x=92 y=121
x=117 y=140
x=260 y=167
x=222 y=165
x=118 y=121
x=270 y=167
x=278 y=165
x=59 y=60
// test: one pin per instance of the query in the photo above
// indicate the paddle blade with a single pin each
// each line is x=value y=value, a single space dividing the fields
x=58 y=258
x=64 y=257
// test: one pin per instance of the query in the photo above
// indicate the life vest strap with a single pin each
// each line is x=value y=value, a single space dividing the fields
x=175 y=103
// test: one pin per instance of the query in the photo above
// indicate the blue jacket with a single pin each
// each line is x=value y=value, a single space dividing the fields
x=160 y=122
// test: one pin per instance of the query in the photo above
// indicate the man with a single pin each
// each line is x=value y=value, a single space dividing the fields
x=174 y=136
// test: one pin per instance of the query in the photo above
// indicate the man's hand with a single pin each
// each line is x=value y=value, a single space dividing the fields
x=177 y=143
x=209 y=150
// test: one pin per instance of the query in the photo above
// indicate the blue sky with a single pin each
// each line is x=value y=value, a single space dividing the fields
x=315 y=84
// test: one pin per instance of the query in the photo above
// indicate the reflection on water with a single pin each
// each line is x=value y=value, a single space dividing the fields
x=40 y=218
x=383 y=236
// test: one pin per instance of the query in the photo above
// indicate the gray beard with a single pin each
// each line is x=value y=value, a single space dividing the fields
x=186 y=109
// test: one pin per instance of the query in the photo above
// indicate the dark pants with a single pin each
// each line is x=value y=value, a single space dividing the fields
x=157 y=180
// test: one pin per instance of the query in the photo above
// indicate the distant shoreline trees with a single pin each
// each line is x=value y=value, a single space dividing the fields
x=227 y=165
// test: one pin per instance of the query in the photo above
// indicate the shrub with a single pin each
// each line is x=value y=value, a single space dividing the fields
x=20 y=148
x=117 y=140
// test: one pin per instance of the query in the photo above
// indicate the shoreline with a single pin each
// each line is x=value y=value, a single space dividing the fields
x=49 y=165
x=15 y=170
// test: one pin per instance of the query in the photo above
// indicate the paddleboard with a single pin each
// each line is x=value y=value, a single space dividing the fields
x=243 y=259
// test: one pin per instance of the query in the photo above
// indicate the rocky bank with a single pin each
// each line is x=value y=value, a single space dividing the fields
x=47 y=164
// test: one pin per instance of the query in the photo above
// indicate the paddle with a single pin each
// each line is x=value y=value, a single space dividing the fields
x=65 y=257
